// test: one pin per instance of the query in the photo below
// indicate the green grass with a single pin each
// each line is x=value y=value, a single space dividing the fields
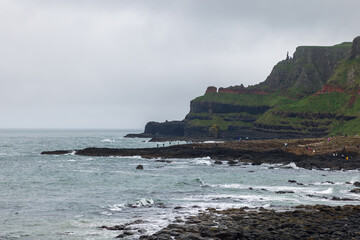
x=246 y=99
x=351 y=127
x=219 y=120
x=340 y=75
x=327 y=102
x=232 y=98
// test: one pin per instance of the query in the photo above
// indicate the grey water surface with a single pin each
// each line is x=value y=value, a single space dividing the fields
x=71 y=197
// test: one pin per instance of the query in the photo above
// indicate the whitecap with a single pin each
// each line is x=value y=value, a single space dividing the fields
x=106 y=213
x=116 y=207
x=213 y=142
x=131 y=157
x=233 y=185
x=107 y=140
x=72 y=153
x=201 y=161
x=144 y=202
x=291 y=165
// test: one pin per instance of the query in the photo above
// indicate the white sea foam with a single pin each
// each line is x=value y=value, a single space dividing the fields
x=144 y=202
x=108 y=140
x=214 y=142
x=291 y=165
x=328 y=183
x=72 y=153
x=131 y=157
x=201 y=161
x=116 y=207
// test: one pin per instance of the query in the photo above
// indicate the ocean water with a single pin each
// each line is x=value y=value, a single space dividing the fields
x=71 y=197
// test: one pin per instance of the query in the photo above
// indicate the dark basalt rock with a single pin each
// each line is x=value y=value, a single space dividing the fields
x=140 y=167
x=302 y=222
x=355 y=190
x=355 y=50
x=172 y=128
x=57 y=152
x=283 y=192
x=356 y=184
x=214 y=151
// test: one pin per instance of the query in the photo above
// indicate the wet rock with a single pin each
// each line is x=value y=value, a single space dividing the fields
x=356 y=184
x=218 y=162
x=114 y=228
x=140 y=167
x=232 y=162
x=57 y=152
x=190 y=236
x=342 y=199
x=163 y=161
x=355 y=190
x=125 y=234
x=142 y=231
x=283 y=192
x=291 y=181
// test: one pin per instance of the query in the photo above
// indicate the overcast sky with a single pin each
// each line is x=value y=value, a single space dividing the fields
x=120 y=64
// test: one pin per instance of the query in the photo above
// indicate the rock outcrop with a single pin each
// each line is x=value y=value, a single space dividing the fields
x=308 y=70
x=355 y=49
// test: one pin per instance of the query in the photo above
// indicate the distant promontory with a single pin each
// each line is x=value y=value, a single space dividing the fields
x=315 y=93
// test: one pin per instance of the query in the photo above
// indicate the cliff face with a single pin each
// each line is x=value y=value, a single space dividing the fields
x=216 y=107
x=313 y=94
x=308 y=71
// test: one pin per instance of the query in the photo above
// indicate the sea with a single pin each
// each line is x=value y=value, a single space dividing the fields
x=72 y=197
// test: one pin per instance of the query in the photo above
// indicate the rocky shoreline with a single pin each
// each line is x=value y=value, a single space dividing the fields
x=318 y=153
x=301 y=222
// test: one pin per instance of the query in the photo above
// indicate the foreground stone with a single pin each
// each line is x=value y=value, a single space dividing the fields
x=303 y=222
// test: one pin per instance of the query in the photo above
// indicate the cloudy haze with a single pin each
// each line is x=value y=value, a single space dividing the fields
x=119 y=64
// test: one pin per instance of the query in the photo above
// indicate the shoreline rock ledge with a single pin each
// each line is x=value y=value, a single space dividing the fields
x=302 y=222
x=316 y=153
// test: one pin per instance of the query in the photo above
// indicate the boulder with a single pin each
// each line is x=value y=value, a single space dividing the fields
x=356 y=184
x=140 y=167
x=355 y=190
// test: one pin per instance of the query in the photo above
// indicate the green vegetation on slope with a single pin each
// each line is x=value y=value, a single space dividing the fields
x=327 y=102
x=347 y=74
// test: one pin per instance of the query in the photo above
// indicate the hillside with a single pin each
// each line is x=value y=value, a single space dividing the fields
x=313 y=94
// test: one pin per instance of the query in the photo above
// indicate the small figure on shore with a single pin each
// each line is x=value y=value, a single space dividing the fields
x=239 y=139
x=285 y=145
x=247 y=138
x=157 y=145
x=163 y=144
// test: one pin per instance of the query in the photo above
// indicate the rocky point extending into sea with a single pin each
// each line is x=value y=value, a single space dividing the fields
x=333 y=153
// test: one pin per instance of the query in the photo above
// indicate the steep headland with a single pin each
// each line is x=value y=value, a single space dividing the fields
x=312 y=94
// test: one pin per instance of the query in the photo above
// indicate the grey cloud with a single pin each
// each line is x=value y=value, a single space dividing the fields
x=118 y=64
